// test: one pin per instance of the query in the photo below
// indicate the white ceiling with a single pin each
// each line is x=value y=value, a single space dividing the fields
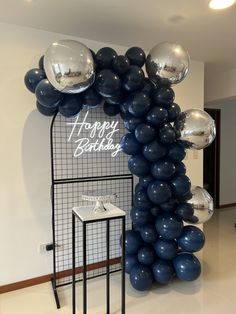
x=208 y=35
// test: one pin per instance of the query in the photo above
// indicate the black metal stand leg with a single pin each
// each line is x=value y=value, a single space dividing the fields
x=73 y=266
x=55 y=294
x=108 y=266
x=123 y=268
x=84 y=271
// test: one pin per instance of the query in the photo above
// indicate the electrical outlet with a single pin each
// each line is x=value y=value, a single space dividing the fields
x=47 y=247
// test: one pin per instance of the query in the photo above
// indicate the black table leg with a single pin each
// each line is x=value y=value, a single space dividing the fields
x=84 y=270
x=123 y=268
x=73 y=266
x=108 y=266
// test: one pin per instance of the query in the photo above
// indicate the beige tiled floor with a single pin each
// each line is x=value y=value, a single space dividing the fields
x=213 y=293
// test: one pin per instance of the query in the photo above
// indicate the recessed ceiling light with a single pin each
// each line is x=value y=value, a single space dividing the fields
x=221 y=4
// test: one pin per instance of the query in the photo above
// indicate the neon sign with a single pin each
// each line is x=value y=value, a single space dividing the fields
x=100 y=136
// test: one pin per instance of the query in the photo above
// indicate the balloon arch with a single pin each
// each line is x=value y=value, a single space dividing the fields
x=71 y=76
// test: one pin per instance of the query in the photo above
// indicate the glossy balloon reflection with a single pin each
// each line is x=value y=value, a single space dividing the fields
x=202 y=204
x=69 y=66
x=167 y=62
x=195 y=128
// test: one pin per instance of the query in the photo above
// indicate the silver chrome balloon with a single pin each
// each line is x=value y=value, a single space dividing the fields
x=69 y=66
x=202 y=204
x=167 y=62
x=196 y=128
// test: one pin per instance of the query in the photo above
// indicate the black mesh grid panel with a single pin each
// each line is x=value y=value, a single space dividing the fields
x=74 y=175
x=89 y=164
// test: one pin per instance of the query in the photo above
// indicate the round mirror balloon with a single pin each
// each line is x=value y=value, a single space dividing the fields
x=69 y=66
x=167 y=62
x=202 y=204
x=195 y=128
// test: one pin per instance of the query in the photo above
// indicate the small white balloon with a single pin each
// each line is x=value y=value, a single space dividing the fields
x=202 y=204
x=195 y=128
x=69 y=66
x=167 y=62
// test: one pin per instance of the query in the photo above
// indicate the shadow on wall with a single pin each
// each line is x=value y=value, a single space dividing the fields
x=36 y=166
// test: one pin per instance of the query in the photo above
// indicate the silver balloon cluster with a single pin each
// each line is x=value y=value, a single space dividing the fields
x=195 y=128
x=69 y=66
x=202 y=204
x=168 y=63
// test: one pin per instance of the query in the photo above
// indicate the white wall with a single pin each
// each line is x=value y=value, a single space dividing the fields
x=220 y=84
x=25 y=161
x=227 y=149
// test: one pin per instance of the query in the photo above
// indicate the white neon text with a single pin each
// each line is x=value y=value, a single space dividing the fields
x=102 y=133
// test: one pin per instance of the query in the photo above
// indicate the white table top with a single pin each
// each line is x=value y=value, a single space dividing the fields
x=86 y=213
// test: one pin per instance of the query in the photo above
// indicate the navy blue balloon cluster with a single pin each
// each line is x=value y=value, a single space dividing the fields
x=159 y=247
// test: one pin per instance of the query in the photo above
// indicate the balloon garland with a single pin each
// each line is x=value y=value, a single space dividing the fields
x=70 y=77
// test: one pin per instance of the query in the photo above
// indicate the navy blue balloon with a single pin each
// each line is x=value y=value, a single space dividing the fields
x=176 y=152
x=104 y=57
x=157 y=116
x=111 y=110
x=180 y=185
x=180 y=168
x=133 y=241
x=136 y=56
x=41 y=62
x=138 y=187
x=46 y=111
x=141 y=278
x=120 y=64
x=163 y=169
x=130 y=261
x=148 y=86
x=140 y=217
x=141 y=200
x=154 y=151
x=133 y=80
x=170 y=205
x=136 y=227
x=155 y=211
x=159 y=192
x=129 y=144
x=192 y=239
x=145 y=133
x=148 y=233
x=163 y=96
x=47 y=95
x=107 y=83
x=184 y=211
x=165 y=249
x=130 y=122
x=167 y=134
x=169 y=226
x=139 y=104
x=173 y=112
x=138 y=165
x=144 y=181
x=146 y=255
x=184 y=198
x=33 y=77
x=163 y=272
x=187 y=266
x=124 y=106
x=91 y=98
x=71 y=105
x=117 y=99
